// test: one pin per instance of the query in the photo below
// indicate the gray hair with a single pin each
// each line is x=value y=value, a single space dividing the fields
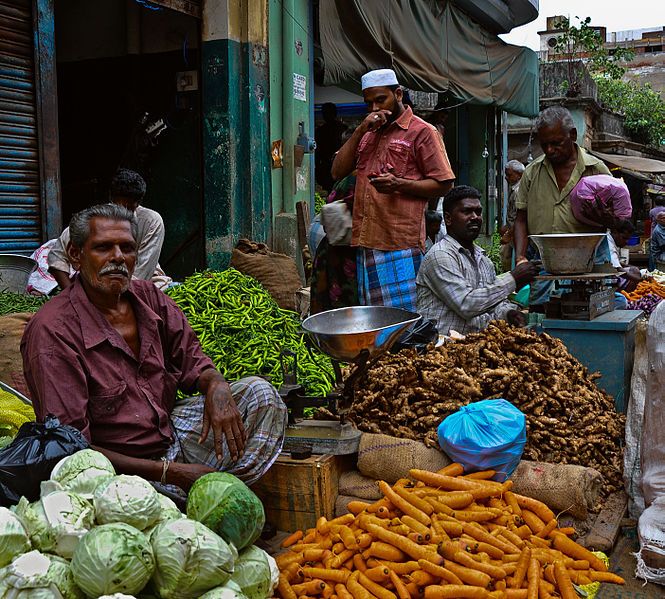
x=79 y=226
x=553 y=116
x=514 y=165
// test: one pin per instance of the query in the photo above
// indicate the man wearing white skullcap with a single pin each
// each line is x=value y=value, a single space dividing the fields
x=401 y=164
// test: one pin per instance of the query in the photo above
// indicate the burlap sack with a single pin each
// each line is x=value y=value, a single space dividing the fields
x=11 y=363
x=278 y=273
x=563 y=487
x=383 y=457
x=355 y=484
x=342 y=502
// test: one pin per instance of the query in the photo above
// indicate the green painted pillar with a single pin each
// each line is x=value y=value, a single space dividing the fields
x=235 y=132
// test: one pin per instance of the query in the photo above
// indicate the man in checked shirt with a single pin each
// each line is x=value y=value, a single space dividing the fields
x=457 y=286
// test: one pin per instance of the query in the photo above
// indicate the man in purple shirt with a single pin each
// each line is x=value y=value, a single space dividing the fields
x=108 y=354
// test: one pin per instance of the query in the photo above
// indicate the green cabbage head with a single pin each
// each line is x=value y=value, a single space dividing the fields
x=256 y=573
x=57 y=521
x=167 y=511
x=190 y=559
x=117 y=596
x=229 y=591
x=227 y=506
x=113 y=558
x=34 y=575
x=82 y=471
x=129 y=499
x=13 y=537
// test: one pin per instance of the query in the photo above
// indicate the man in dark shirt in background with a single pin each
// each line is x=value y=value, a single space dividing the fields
x=108 y=354
x=328 y=138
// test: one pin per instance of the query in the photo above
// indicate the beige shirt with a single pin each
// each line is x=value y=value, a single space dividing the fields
x=149 y=241
x=548 y=209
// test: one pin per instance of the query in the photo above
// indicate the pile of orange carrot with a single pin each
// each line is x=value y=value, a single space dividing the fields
x=441 y=535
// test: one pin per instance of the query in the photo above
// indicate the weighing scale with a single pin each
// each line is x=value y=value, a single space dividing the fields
x=358 y=335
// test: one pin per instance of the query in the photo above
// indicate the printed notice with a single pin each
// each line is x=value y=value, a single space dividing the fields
x=300 y=87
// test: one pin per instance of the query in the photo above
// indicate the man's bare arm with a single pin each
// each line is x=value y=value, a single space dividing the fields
x=425 y=188
x=520 y=235
x=61 y=277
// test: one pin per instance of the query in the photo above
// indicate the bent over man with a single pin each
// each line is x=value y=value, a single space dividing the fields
x=109 y=353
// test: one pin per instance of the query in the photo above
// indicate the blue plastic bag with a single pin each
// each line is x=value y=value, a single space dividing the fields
x=485 y=435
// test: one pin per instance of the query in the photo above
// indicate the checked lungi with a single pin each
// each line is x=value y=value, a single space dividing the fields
x=264 y=415
x=388 y=278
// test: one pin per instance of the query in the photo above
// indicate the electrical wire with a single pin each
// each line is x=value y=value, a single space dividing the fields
x=149 y=5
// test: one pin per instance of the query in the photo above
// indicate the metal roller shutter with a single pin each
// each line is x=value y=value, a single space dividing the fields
x=20 y=220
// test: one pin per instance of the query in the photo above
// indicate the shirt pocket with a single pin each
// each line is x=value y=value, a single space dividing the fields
x=106 y=402
x=397 y=159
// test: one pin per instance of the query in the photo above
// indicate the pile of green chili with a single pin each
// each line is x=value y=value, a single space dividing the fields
x=243 y=330
x=11 y=303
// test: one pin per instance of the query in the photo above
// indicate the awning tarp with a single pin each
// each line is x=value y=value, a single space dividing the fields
x=633 y=163
x=435 y=47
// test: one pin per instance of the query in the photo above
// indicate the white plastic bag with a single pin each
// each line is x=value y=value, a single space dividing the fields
x=337 y=220
x=651 y=526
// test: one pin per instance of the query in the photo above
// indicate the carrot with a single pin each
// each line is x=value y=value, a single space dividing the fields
x=454 y=469
x=451 y=527
x=568 y=531
x=478 y=533
x=439 y=572
x=285 y=559
x=310 y=536
x=535 y=506
x=359 y=563
x=533 y=578
x=416 y=526
x=491 y=550
x=355 y=507
x=348 y=538
x=313 y=587
x=468 y=575
x=356 y=589
x=403 y=544
x=476 y=516
x=415 y=537
x=544 y=589
x=338 y=560
x=606 y=577
x=516 y=593
x=380 y=503
x=364 y=540
x=414 y=500
x=511 y=500
x=541 y=543
x=376 y=589
x=400 y=587
x=378 y=573
x=572 y=549
x=403 y=529
x=523 y=532
x=342 y=592
x=577 y=564
x=563 y=582
x=340 y=576
x=293 y=572
x=285 y=589
x=479 y=489
x=385 y=551
x=322 y=526
x=482 y=475
x=522 y=566
x=454 y=499
x=403 y=505
x=327 y=592
x=402 y=568
x=466 y=560
x=455 y=591
x=532 y=521
x=292 y=539
x=511 y=537
x=549 y=527
x=314 y=555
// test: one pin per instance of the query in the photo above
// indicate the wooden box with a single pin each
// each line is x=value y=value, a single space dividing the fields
x=295 y=493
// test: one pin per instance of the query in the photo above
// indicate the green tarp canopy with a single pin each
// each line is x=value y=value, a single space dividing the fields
x=435 y=47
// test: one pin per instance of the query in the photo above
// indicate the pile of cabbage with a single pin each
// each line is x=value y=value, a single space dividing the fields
x=94 y=534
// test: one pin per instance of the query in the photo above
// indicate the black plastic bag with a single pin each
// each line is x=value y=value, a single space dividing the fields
x=418 y=336
x=30 y=457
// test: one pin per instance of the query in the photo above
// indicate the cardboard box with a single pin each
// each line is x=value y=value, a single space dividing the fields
x=295 y=493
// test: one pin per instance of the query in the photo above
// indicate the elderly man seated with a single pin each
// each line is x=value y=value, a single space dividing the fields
x=457 y=286
x=108 y=354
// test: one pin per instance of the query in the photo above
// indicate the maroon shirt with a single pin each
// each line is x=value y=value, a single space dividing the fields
x=79 y=368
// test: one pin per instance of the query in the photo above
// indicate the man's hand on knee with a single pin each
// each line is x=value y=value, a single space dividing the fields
x=185 y=475
x=222 y=415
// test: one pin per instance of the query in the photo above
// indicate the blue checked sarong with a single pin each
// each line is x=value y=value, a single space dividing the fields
x=264 y=415
x=388 y=278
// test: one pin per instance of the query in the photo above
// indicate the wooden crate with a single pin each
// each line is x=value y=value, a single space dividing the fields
x=295 y=493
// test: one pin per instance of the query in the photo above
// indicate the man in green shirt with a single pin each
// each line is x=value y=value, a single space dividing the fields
x=543 y=198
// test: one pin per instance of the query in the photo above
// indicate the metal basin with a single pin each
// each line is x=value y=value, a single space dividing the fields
x=568 y=253
x=344 y=333
x=15 y=270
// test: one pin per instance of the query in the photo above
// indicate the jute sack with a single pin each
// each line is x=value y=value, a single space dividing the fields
x=563 y=487
x=383 y=457
x=342 y=502
x=278 y=273
x=11 y=362
x=355 y=484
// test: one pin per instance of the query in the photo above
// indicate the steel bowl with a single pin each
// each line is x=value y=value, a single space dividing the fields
x=15 y=270
x=344 y=333
x=568 y=253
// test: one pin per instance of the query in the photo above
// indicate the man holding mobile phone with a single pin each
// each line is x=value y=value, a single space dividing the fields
x=402 y=165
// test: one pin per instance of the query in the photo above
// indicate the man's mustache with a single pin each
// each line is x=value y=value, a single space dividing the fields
x=113 y=269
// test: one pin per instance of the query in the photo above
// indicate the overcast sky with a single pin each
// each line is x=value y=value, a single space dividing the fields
x=616 y=15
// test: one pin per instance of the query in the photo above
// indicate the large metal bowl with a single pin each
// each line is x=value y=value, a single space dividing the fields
x=568 y=253
x=15 y=270
x=344 y=333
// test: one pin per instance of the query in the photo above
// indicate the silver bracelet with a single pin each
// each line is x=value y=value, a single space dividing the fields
x=165 y=469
